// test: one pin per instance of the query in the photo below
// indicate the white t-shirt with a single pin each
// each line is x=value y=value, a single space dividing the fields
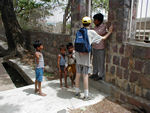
x=84 y=59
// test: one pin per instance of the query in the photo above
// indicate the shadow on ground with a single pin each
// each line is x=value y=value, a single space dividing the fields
x=62 y=111
x=65 y=93
x=1 y=97
x=69 y=93
x=9 y=108
x=29 y=91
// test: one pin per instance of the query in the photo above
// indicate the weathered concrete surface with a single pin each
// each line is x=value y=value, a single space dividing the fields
x=23 y=100
x=5 y=80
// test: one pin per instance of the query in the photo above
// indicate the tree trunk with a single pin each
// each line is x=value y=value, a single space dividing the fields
x=64 y=24
x=13 y=30
x=88 y=8
x=65 y=17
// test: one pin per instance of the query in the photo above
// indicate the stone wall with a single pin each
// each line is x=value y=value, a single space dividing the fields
x=51 y=44
x=127 y=64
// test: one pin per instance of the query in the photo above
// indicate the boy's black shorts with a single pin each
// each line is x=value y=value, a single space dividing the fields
x=62 y=68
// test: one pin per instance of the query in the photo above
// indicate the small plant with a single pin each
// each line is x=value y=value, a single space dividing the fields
x=48 y=74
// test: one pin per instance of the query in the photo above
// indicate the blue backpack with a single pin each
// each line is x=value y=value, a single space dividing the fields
x=82 y=41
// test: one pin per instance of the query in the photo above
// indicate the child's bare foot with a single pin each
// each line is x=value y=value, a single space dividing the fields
x=36 y=90
x=42 y=94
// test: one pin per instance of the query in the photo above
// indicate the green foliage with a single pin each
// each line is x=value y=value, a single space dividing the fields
x=100 y=4
x=30 y=11
x=56 y=3
x=48 y=74
x=24 y=9
x=68 y=26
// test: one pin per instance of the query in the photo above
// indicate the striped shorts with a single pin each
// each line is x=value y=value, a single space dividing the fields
x=82 y=69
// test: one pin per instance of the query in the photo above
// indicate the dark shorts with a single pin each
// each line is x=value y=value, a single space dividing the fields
x=39 y=74
x=62 y=68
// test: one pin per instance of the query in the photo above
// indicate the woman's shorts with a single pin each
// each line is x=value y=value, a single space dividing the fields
x=39 y=74
x=82 y=69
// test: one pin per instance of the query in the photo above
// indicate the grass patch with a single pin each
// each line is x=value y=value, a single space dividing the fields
x=48 y=74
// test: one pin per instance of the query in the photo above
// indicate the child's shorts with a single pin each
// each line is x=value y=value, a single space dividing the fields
x=39 y=74
x=82 y=69
x=62 y=68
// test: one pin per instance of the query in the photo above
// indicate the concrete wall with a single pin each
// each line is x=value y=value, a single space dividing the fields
x=51 y=44
x=127 y=64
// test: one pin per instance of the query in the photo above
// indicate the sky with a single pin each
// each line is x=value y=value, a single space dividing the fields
x=58 y=16
x=145 y=4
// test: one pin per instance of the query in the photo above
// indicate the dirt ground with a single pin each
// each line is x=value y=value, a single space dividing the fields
x=105 y=106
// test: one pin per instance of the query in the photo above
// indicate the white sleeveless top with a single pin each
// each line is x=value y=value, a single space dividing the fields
x=41 y=61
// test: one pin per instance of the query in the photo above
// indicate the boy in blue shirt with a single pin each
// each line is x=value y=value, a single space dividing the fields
x=61 y=64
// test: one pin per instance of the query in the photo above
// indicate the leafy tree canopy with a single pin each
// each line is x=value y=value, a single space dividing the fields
x=100 y=4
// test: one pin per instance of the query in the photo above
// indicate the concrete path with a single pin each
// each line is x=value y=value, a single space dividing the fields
x=5 y=80
x=23 y=100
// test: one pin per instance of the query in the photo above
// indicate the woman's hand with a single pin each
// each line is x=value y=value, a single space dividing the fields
x=111 y=29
